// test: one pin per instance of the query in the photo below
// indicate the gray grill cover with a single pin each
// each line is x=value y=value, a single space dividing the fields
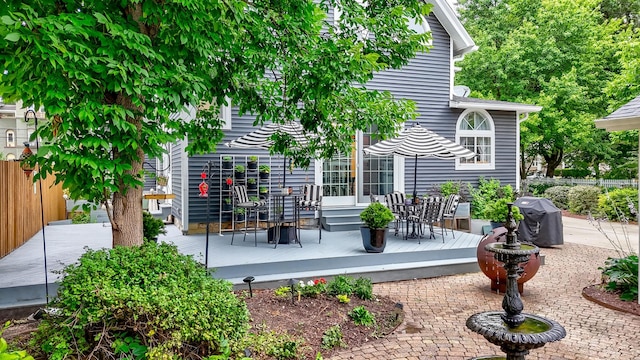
x=542 y=224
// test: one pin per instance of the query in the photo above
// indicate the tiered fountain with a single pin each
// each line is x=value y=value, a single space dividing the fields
x=514 y=331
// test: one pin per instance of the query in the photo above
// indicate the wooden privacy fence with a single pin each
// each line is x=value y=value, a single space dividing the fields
x=20 y=211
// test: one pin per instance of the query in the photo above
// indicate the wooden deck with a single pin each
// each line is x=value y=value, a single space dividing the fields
x=338 y=253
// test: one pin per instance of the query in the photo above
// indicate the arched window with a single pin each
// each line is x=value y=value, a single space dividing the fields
x=11 y=138
x=476 y=132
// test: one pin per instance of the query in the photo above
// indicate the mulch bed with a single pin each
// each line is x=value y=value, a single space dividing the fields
x=610 y=300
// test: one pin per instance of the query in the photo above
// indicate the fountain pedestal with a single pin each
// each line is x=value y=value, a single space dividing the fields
x=514 y=331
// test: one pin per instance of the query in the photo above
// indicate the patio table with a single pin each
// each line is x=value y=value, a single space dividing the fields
x=280 y=221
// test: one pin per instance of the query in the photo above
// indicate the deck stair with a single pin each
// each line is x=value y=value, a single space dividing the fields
x=341 y=218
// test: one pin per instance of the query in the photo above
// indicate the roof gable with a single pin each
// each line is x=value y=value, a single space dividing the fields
x=461 y=40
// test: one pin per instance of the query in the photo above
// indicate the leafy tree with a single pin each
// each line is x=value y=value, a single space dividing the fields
x=110 y=74
x=557 y=54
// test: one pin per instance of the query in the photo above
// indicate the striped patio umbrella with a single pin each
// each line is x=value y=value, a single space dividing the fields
x=262 y=138
x=418 y=142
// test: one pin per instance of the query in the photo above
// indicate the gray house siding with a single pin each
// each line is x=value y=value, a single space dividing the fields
x=177 y=204
x=425 y=80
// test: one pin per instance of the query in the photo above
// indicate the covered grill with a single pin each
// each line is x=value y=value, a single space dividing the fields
x=542 y=223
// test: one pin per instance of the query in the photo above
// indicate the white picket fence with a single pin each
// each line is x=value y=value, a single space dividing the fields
x=608 y=183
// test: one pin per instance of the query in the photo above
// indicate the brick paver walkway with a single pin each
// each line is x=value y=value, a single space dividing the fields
x=437 y=309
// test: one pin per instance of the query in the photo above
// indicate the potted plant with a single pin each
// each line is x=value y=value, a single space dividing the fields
x=161 y=180
x=227 y=162
x=264 y=170
x=239 y=169
x=496 y=212
x=376 y=218
x=263 y=190
x=227 y=204
x=239 y=213
x=252 y=184
x=252 y=163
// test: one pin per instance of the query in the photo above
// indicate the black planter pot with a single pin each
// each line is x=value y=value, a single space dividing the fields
x=374 y=241
x=227 y=164
x=239 y=217
x=252 y=165
x=239 y=175
x=263 y=216
x=264 y=176
x=252 y=186
x=227 y=207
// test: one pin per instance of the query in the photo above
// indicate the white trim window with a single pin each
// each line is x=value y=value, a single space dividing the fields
x=11 y=138
x=476 y=132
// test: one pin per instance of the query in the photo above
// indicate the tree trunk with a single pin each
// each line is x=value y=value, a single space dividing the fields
x=127 y=217
x=553 y=161
x=127 y=201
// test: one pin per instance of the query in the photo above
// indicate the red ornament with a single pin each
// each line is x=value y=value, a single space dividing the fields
x=203 y=176
x=229 y=181
x=203 y=189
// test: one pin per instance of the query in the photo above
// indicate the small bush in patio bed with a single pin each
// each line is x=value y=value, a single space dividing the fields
x=150 y=295
x=621 y=275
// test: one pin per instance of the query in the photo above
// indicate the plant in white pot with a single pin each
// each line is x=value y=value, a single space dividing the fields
x=376 y=218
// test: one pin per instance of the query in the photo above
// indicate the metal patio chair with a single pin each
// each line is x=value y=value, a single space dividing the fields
x=311 y=201
x=241 y=200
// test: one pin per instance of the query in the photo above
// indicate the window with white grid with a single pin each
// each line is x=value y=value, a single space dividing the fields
x=475 y=131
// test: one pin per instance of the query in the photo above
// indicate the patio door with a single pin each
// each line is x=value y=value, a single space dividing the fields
x=349 y=179
x=338 y=179
x=375 y=173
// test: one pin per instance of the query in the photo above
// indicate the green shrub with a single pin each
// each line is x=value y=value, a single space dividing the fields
x=152 y=227
x=361 y=316
x=538 y=188
x=621 y=275
x=363 y=288
x=488 y=191
x=450 y=187
x=332 y=337
x=81 y=217
x=151 y=293
x=559 y=195
x=583 y=199
x=617 y=204
x=498 y=211
x=340 y=285
x=271 y=343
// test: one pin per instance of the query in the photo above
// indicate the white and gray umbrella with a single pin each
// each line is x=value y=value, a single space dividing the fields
x=418 y=142
x=262 y=138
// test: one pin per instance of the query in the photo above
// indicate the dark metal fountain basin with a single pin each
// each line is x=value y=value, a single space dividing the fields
x=533 y=333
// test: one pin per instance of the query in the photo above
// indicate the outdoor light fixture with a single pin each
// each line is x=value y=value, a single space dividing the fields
x=292 y=284
x=249 y=280
x=26 y=153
